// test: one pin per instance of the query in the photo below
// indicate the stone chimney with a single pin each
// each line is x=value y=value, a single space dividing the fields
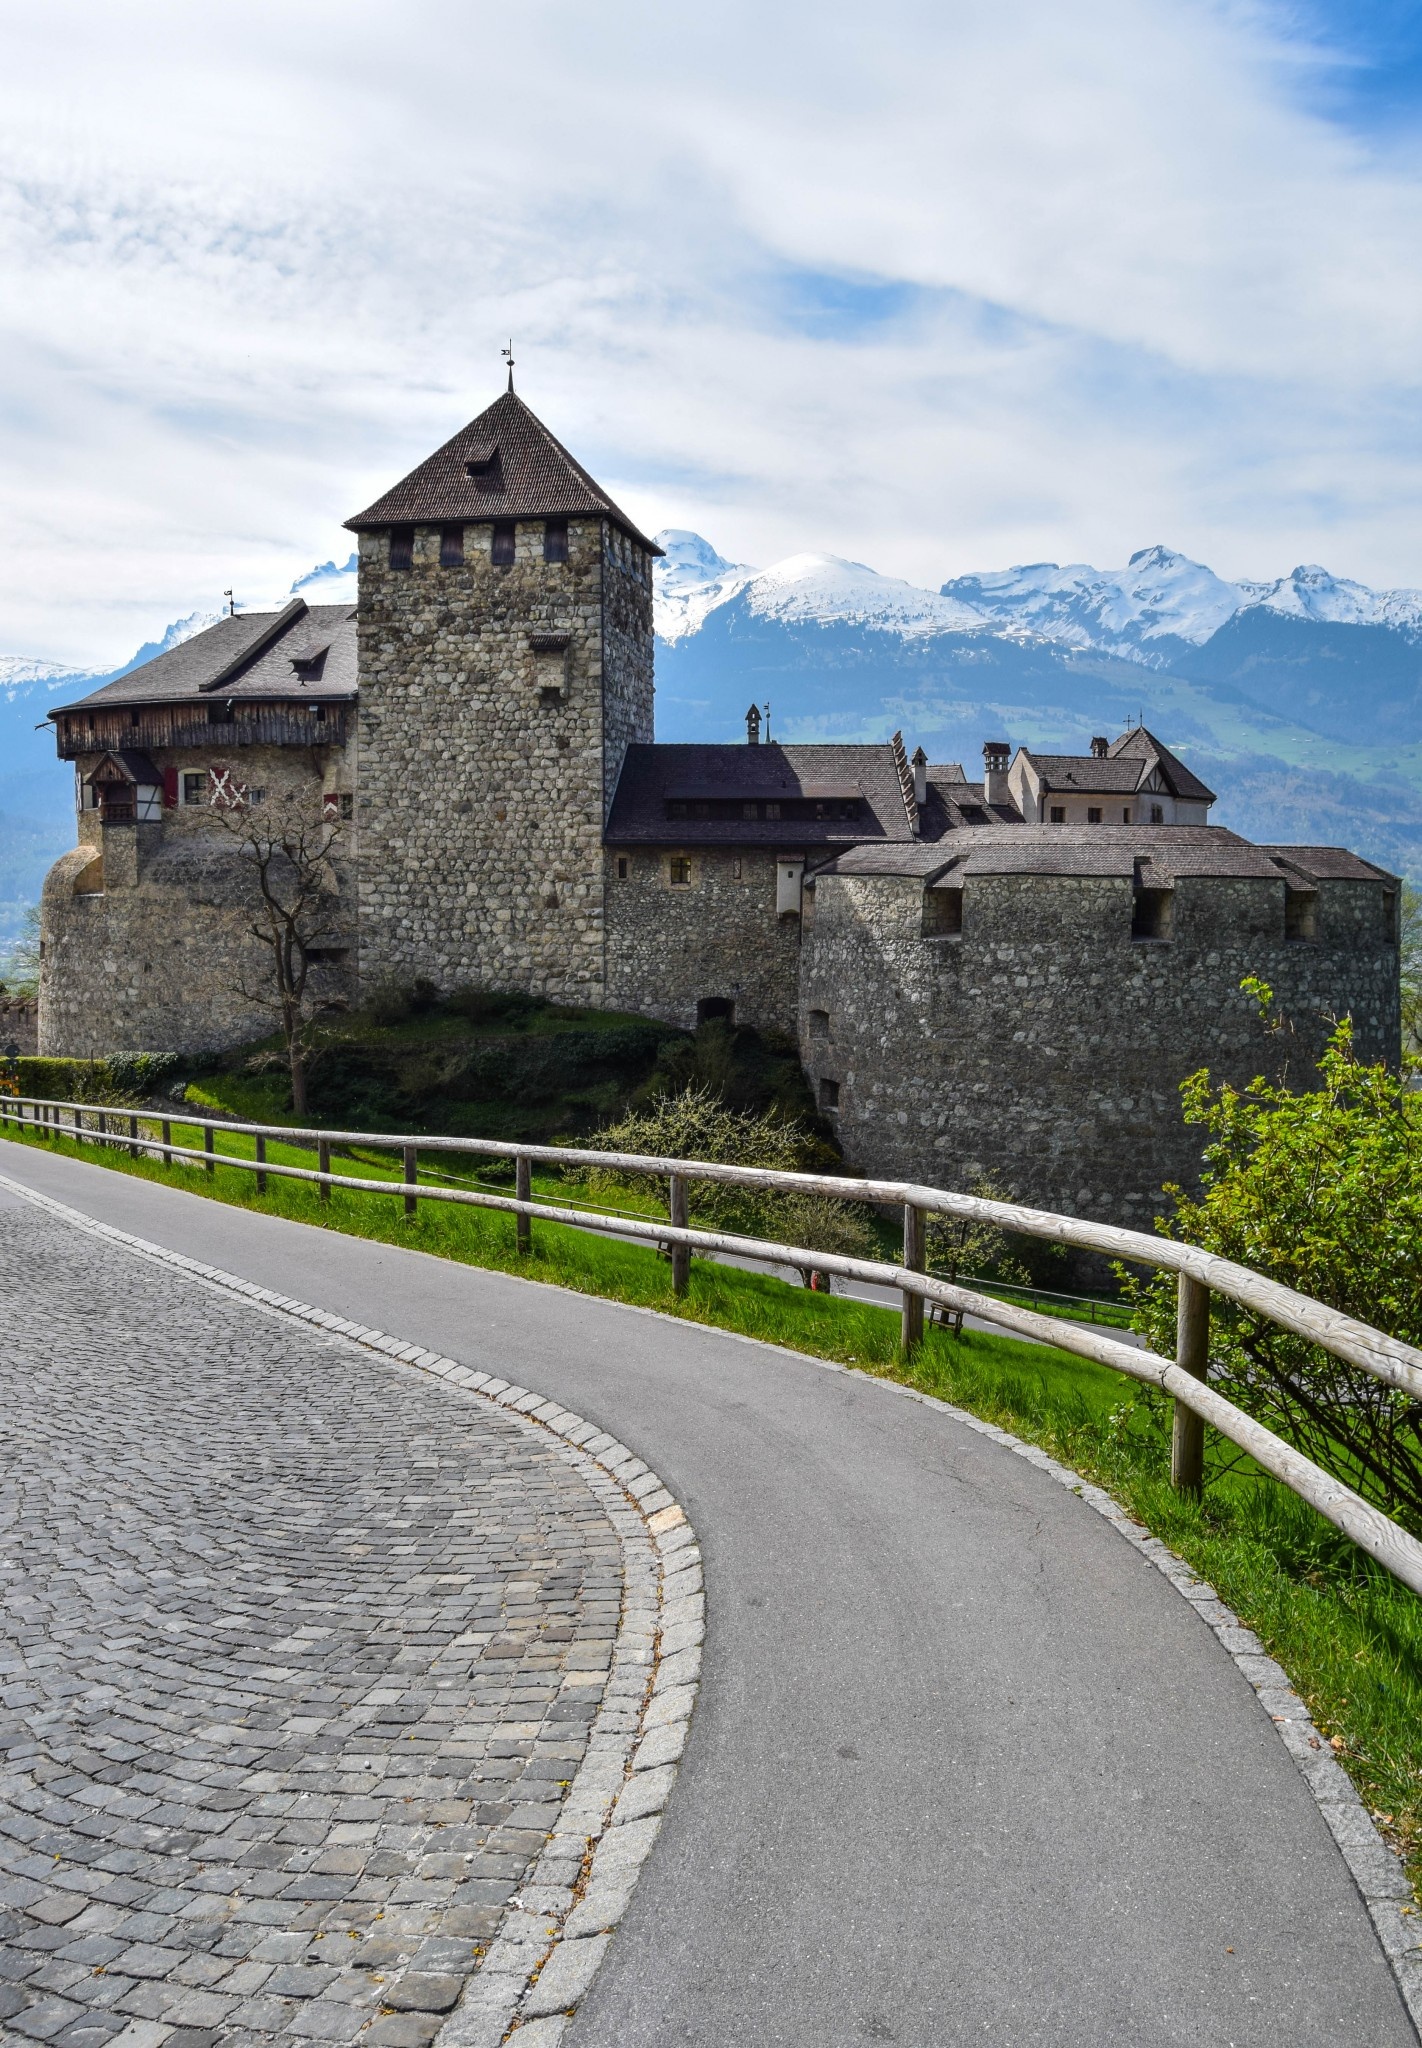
x=919 y=764
x=1100 y=746
x=753 y=726
x=996 y=754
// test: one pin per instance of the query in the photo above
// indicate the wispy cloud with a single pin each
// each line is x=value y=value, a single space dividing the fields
x=932 y=286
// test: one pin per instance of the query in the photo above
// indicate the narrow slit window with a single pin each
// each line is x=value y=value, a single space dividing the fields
x=555 y=540
x=1301 y=916
x=829 y=1094
x=501 y=548
x=622 y=867
x=402 y=547
x=451 y=547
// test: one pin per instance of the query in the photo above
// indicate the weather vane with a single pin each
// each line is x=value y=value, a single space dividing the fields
x=507 y=354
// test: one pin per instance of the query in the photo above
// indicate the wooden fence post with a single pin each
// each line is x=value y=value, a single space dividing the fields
x=1192 y=1355
x=133 y=1137
x=208 y=1165
x=676 y=1216
x=411 y=1171
x=260 y=1147
x=323 y=1166
x=912 y=1317
x=167 y=1141
x=523 y=1192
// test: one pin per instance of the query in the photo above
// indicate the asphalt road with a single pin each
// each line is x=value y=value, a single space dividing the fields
x=965 y=1767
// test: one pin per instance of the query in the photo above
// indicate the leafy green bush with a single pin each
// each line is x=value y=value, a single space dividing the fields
x=1322 y=1190
x=121 y=1077
x=697 y=1124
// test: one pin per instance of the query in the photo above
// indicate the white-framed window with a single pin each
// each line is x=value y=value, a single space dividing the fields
x=195 y=787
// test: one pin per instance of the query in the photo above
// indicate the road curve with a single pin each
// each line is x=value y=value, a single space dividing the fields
x=965 y=1767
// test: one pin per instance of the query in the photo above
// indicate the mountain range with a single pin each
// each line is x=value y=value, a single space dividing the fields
x=1299 y=700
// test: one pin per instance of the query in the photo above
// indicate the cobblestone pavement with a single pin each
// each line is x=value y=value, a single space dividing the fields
x=300 y=1651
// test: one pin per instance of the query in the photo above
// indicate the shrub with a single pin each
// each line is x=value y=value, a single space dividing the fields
x=120 y=1077
x=1320 y=1189
x=697 y=1124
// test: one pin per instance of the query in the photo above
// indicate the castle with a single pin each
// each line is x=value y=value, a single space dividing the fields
x=1005 y=977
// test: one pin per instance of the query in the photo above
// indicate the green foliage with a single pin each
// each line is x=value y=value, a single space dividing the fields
x=19 y=974
x=959 y=1248
x=1321 y=1189
x=1410 y=968
x=698 y=1124
x=121 y=1077
x=755 y=1071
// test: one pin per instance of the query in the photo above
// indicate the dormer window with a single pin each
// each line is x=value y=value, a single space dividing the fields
x=555 y=540
x=451 y=547
x=501 y=547
x=308 y=667
x=486 y=472
x=402 y=547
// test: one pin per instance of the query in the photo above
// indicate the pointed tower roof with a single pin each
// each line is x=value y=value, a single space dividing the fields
x=1140 y=744
x=503 y=465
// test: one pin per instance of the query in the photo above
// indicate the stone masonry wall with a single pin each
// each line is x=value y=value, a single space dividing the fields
x=667 y=947
x=483 y=795
x=146 y=942
x=1044 y=1048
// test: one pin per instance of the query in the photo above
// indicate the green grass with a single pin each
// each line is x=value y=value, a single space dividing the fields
x=1349 y=1636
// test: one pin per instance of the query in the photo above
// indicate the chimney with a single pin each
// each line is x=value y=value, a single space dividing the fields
x=919 y=764
x=995 y=759
x=753 y=726
x=1100 y=747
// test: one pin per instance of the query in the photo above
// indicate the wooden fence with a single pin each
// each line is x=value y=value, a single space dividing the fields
x=1198 y=1273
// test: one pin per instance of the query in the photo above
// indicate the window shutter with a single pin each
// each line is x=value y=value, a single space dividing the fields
x=170 y=789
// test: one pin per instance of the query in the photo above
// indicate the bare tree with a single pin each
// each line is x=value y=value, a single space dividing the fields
x=289 y=842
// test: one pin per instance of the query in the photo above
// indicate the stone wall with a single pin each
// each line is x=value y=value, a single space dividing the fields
x=670 y=948
x=1044 y=1047
x=145 y=928
x=19 y=1024
x=486 y=766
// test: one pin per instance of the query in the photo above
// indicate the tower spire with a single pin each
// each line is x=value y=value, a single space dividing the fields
x=507 y=354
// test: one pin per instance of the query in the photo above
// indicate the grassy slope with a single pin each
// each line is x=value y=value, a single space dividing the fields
x=1349 y=1637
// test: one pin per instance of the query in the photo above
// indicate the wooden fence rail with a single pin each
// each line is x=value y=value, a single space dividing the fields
x=1198 y=1273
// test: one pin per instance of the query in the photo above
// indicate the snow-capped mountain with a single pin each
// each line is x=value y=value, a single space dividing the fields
x=1140 y=613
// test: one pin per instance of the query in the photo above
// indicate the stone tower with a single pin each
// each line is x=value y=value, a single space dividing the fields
x=505 y=637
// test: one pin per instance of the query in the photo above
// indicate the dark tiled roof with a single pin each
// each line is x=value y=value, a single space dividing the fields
x=1122 y=770
x=652 y=776
x=1138 y=744
x=241 y=658
x=533 y=477
x=1164 y=852
x=1329 y=864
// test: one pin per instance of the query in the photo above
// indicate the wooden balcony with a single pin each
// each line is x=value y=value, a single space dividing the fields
x=148 y=727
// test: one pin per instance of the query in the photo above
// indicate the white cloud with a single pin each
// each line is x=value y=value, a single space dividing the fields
x=259 y=260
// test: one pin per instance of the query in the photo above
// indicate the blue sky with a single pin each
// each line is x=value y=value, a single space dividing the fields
x=939 y=287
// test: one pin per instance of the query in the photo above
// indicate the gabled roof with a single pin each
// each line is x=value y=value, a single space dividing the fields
x=524 y=473
x=653 y=776
x=1127 y=766
x=254 y=655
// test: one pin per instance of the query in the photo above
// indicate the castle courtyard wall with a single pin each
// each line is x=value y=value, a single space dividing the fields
x=671 y=947
x=1044 y=1047
x=146 y=928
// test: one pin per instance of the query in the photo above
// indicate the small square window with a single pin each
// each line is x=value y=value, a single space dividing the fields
x=555 y=540
x=676 y=810
x=256 y=796
x=942 y=913
x=195 y=788
x=1058 y=814
x=1157 y=814
x=451 y=547
x=1151 y=913
x=772 y=810
x=680 y=871
x=501 y=548
x=819 y=1025
x=829 y=1095
x=750 y=810
x=1301 y=916
x=402 y=547
x=1093 y=814
x=622 y=867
